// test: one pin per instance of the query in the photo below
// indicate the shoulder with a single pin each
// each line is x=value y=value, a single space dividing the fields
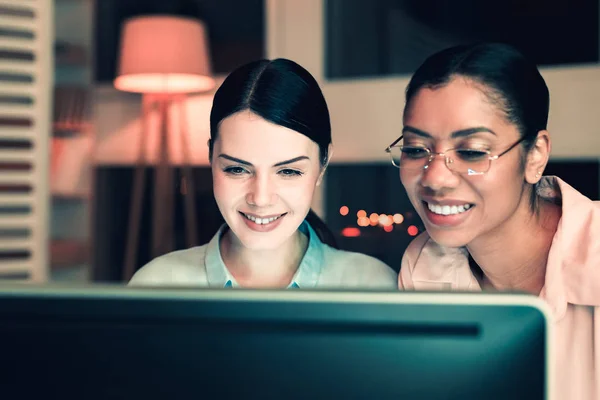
x=357 y=270
x=182 y=267
x=573 y=266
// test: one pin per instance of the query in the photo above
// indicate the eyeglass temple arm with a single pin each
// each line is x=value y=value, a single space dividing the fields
x=389 y=148
x=509 y=149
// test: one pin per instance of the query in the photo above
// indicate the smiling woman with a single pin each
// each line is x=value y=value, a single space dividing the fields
x=493 y=221
x=269 y=148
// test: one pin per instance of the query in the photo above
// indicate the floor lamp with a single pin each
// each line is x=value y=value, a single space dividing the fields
x=164 y=58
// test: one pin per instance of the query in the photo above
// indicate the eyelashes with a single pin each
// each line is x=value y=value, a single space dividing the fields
x=289 y=172
x=239 y=171
x=235 y=170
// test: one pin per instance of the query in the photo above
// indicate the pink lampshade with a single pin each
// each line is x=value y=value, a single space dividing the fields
x=164 y=54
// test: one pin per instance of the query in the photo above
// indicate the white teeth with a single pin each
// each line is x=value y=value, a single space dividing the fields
x=261 y=221
x=447 y=210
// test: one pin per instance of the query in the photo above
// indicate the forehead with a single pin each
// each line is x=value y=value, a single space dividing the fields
x=247 y=136
x=460 y=104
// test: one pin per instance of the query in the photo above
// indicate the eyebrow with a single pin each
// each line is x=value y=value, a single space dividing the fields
x=279 y=164
x=455 y=134
x=291 y=160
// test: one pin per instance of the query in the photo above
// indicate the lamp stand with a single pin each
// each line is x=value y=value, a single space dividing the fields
x=163 y=202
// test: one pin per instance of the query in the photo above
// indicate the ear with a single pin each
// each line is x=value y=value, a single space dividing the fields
x=538 y=157
x=324 y=167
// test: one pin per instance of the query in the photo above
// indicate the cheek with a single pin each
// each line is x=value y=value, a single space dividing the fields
x=299 y=193
x=302 y=189
x=410 y=181
x=223 y=188
x=500 y=193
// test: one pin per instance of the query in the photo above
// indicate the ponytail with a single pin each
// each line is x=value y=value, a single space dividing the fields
x=322 y=231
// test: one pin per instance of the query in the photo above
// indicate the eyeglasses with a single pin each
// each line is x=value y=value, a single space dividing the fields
x=461 y=160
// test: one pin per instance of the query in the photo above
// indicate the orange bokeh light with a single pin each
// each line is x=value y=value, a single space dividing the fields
x=351 y=232
x=344 y=210
x=413 y=230
x=363 y=221
x=361 y=213
x=388 y=228
x=385 y=220
x=398 y=218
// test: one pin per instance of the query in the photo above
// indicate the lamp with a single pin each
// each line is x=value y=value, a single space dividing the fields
x=162 y=57
x=164 y=54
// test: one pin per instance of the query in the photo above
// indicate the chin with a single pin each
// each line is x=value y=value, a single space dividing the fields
x=260 y=244
x=261 y=241
x=448 y=238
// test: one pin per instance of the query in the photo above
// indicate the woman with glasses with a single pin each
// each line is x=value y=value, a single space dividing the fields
x=269 y=147
x=471 y=157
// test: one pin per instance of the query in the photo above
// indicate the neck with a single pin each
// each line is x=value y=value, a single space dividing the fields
x=272 y=268
x=513 y=257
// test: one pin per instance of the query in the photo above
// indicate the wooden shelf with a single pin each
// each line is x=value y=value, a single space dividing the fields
x=68 y=253
x=72 y=110
x=69 y=197
x=71 y=126
x=70 y=129
x=70 y=55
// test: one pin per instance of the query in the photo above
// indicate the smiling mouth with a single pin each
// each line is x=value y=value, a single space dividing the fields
x=448 y=210
x=262 y=220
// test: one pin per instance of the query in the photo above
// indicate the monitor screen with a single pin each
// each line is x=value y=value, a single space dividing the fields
x=107 y=342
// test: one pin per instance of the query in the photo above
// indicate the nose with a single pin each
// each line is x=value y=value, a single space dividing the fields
x=437 y=176
x=261 y=192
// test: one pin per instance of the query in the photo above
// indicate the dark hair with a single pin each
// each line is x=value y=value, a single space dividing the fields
x=508 y=79
x=282 y=92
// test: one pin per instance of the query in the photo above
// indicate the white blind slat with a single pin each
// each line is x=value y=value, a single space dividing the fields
x=17 y=44
x=26 y=93
x=18 y=89
x=16 y=200
x=7 y=66
x=8 y=221
x=17 y=133
x=17 y=177
x=18 y=23
x=8 y=243
x=21 y=4
x=14 y=267
x=17 y=110
x=17 y=155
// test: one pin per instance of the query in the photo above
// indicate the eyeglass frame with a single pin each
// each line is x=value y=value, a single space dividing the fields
x=433 y=155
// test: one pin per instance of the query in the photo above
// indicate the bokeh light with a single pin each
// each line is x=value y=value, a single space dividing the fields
x=383 y=219
x=398 y=218
x=363 y=221
x=351 y=231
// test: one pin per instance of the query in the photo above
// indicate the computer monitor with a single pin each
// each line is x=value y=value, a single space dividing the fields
x=146 y=343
